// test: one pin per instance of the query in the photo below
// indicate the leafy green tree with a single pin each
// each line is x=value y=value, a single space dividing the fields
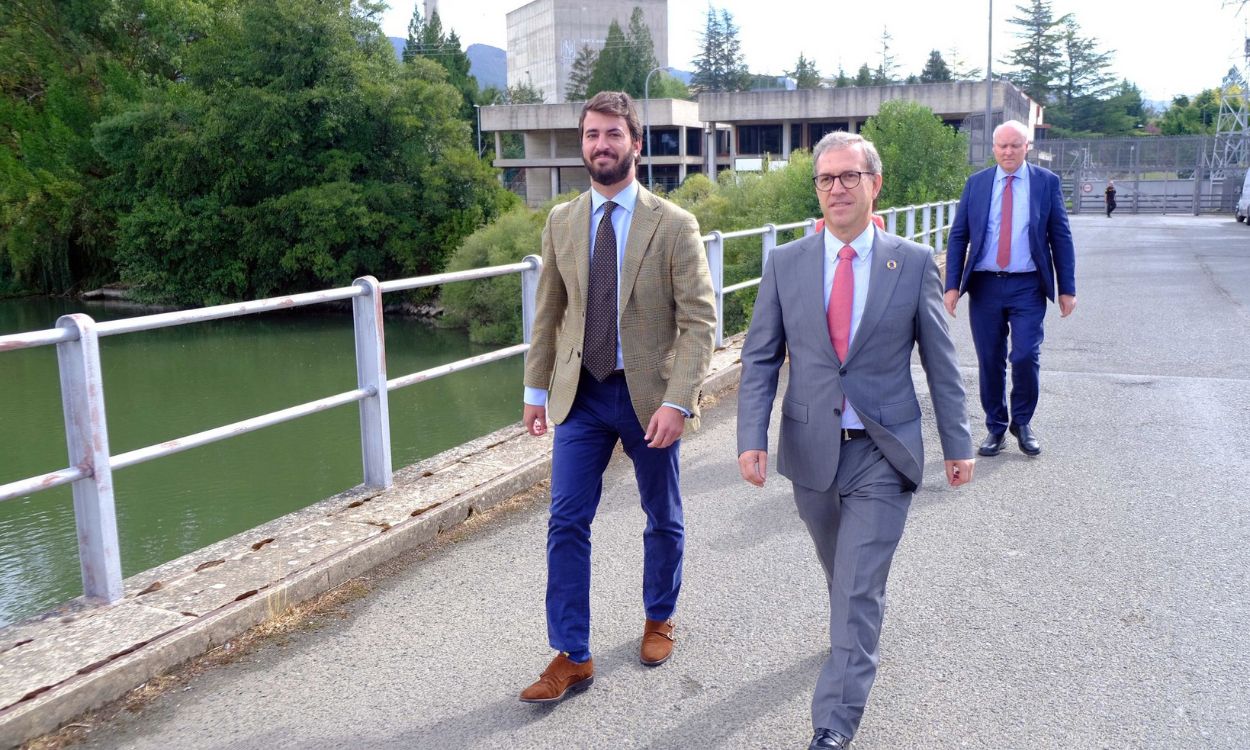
x=923 y=159
x=935 y=69
x=296 y=153
x=427 y=39
x=805 y=74
x=665 y=86
x=864 y=76
x=612 y=68
x=1197 y=116
x=719 y=66
x=524 y=93
x=1084 y=68
x=1038 y=59
x=578 y=88
x=842 y=80
x=625 y=60
x=65 y=65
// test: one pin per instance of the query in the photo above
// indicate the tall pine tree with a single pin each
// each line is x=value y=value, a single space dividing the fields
x=1037 y=61
x=805 y=74
x=578 y=87
x=719 y=65
x=935 y=70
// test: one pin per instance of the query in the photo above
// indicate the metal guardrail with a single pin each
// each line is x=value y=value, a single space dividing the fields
x=77 y=336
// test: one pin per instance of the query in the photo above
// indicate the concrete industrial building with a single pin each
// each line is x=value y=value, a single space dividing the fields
x=735 y=130
x=544 y=37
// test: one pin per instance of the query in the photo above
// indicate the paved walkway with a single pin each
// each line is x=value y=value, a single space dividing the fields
x=1095 y=597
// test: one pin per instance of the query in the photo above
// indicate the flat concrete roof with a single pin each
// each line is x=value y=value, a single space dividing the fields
x=526 y=117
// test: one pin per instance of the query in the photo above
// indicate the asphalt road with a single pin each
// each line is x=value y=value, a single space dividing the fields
x=1094 y=597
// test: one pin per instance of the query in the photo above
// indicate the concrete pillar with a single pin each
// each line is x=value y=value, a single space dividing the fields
x=709 y=151
x=555 y=181
x=852 y=126
x=785 y=140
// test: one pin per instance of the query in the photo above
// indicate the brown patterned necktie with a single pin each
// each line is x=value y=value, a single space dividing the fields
x=599 y=337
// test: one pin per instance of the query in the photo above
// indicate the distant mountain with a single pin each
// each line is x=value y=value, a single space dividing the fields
x=489 y=65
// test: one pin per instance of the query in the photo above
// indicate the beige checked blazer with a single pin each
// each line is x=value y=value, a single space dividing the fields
x=667 y=308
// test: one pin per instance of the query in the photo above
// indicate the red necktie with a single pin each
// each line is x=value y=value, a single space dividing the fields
x=1004 y=228
x=841 y=301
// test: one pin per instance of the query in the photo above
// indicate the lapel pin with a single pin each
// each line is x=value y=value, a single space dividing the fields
x=891 y=264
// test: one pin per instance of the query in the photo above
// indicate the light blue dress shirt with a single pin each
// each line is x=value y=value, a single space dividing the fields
x=1021 y=259
x=862 y=266
x=622 y=215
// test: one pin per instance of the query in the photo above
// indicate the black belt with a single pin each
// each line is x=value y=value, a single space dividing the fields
x=853 y=434
x=1006 y=274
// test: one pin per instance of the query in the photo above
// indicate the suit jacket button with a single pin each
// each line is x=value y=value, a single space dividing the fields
x=837 y=412
x=842 y=371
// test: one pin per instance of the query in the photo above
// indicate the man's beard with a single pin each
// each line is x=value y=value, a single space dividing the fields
x=611 y=174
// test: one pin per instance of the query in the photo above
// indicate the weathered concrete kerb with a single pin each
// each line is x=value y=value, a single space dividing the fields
x=79 y=657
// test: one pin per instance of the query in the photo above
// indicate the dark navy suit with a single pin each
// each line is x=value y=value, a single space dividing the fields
x=1011 y=306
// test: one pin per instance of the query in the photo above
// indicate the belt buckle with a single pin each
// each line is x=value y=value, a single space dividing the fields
x=846 y=434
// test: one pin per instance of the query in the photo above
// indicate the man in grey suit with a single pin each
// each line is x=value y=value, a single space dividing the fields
x=848 y=305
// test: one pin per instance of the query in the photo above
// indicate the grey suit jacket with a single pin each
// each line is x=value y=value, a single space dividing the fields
x=903 y=310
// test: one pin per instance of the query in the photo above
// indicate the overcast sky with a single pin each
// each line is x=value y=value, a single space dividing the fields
x=1165 y=48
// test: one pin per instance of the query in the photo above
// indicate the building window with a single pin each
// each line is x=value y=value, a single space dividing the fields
x=665 y=142
x=821 y=129
x=759 y=139
x=796 y=136
x=694 y=141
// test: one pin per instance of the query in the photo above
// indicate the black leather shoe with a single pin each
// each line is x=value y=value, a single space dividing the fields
x=827 y=739
x=992 y=444
x=1027 y=440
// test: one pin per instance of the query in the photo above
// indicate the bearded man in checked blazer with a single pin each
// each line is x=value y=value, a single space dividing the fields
x=623 y=334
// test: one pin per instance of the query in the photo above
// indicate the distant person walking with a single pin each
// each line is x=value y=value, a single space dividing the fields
x=1109 y=194
x=1010 y=248
x=623 y=334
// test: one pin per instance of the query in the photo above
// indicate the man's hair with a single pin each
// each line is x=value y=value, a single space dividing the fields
x=840 y=139
x=1015 y=125
x=614 y=104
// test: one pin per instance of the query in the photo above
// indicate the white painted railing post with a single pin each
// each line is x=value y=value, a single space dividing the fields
x=809 y=228
x=911 y=223
x=939 y=236
x=375 y=417
x=891 y=221
x=716 y=264
x=926 y=223
x=770 y=244
x=86 y=436
x=529 y=295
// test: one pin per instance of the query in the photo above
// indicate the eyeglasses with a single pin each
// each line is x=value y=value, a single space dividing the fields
x=849 y=180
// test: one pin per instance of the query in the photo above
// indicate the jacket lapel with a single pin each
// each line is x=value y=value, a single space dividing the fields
x=810 y=283
x=886 y=267
x=642 y=226
x=579 y=227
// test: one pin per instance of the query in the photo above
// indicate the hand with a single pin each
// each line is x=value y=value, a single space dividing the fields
x=1067 y=303
x=950 y=299
x=959 y=472
x=665 y=427
x=535 y=420
x=753 y=465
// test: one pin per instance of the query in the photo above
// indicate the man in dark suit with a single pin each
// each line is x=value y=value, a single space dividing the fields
x=1010 y=247
x=624 y=327
x=849 y=305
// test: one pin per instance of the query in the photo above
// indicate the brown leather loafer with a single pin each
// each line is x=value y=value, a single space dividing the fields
x=657 y=642
x=562 y=678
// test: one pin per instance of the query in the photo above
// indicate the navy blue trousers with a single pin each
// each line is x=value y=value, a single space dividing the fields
x=601 y=415
x=1003 y=307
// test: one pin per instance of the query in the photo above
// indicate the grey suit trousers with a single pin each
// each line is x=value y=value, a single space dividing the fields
x=856 y=525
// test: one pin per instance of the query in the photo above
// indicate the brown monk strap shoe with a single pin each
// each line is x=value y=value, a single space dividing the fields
x=657 y=642
x=562 y=677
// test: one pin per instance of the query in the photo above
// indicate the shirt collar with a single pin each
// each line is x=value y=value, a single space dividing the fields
x=625 y=199
x=861 y=244
x=1021 y=175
